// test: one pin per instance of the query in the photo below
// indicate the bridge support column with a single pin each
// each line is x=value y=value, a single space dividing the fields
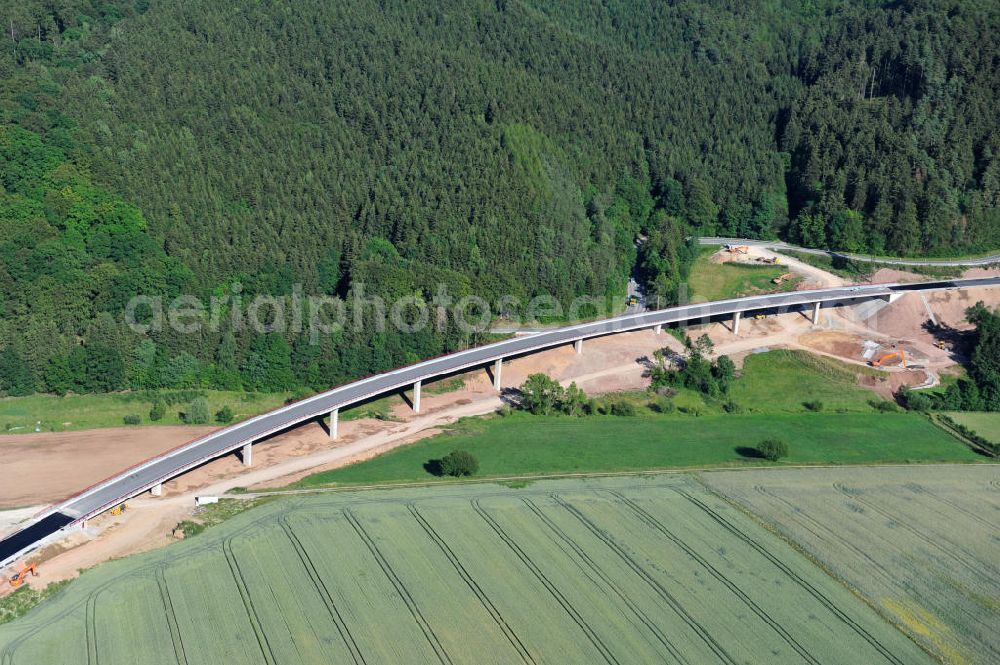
x=334 y=421
x=578 y=345
x=815 y=316
x=247 y=454
x=736 y=322
x=416 y=397
x=657 y=329
x=157 y=489
x=497 y=368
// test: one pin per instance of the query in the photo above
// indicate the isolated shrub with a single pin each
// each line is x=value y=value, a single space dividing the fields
x=196 y=412
x=224 y=415
x=459 y=463
x=772 y=449
x=157 y=411
x=814 y=405
x=132 y=419
x=622 y=407
x=732 y=407
x=504 y=410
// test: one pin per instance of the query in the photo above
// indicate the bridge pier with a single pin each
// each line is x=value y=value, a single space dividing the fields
x=578 y=346
x=247 y=454
x=157 y=489
x=497 y=368
x=416 y=396
x=815 y=316
x=736 y=322
x=657 y=329
x=334 y=421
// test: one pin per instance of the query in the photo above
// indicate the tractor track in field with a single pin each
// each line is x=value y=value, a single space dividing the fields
x=646 y=518
x=554 y=591
x=10 y=649
x=323 y=591
x=470 y=581
x=956 y=552
x=920 y=489
x=804 y=519
x=241 y=584
x=168 y=610
x=582 y=555
x=653 y=583
x=90 y=627
x=401 y=589
x=795 y=577
x=818 y=529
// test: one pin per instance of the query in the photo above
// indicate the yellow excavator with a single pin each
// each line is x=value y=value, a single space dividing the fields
x=901 y=354
x=17 y=579
x=119 y=509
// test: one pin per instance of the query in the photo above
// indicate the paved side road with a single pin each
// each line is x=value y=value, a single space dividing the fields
x=159 y=469
x=779 y=245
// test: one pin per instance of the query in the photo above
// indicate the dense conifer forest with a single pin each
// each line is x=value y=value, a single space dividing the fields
x=501 y=147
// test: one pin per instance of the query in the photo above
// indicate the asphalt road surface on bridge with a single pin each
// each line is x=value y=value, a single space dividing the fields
x=154 y=471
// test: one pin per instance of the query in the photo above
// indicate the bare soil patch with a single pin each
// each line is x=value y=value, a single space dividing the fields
x=46 y=467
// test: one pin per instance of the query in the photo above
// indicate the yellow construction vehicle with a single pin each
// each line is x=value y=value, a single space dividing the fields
x=18 y=578
x=758 y=316
x=943 y=345
x=119 y=509
x=880 y=361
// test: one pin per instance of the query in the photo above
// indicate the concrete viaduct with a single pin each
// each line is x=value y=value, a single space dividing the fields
x=150 y=475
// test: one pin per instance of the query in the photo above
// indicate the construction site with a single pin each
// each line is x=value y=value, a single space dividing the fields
x=914 y=341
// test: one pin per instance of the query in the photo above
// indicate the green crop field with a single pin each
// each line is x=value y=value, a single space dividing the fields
x=617 y=570
x=920 y=544
x=986 y=425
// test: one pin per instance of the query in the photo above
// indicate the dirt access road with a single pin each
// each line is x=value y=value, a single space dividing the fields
x=607 y=364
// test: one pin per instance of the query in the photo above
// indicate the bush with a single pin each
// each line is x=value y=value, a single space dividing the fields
x=814 y=405
x=132 y=419
x=300 y=394
x=504 y=410
x=459 y=463
x=772 y=449
x=883 y=406
x=662 y=404
x=224 y=415
x=732 y=407
x=622 y=407
x=196 y=412
x=157 y=411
